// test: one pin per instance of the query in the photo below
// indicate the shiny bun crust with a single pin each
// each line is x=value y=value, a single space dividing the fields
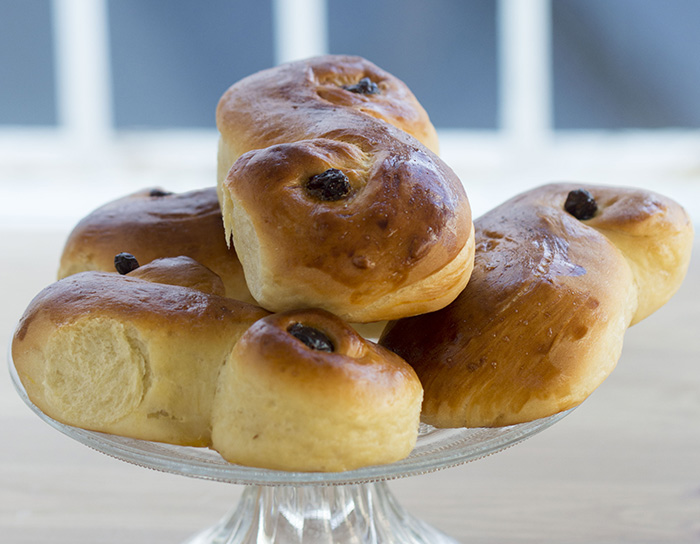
x=284 y=405
x=181 y=271
x=309 y=99
x=541 y=322
x=329 y=204
x=153 y=224
x=126 y=356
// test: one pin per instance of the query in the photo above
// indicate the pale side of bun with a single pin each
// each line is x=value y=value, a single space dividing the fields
x=541 y=322
x=283 y=405
x=153 y=227
x=125 y=356
x=398 y=242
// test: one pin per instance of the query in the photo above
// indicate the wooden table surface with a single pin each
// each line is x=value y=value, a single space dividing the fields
x=623 y=467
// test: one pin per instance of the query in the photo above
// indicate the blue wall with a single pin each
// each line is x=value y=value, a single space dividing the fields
x=171 y=61
x=626 y=63
x=445 y=51
x=617 y=64
x=27 y=83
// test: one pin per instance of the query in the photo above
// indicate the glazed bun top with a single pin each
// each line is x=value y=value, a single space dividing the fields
x=316 y=347
x=317 y=98
x=161 y=305
x=652 y=232
x=153 y=224
x=182 y=271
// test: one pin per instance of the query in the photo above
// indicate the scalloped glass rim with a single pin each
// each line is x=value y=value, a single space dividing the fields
x=436 y=449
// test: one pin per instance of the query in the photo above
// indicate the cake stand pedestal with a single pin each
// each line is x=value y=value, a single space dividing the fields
x=320 y=514
x=311 y=507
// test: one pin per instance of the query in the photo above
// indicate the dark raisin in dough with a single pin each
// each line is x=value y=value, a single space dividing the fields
x=125 y=263
x=159 y=193
x=329 y=185
x=364 y=86
x=581 y=204
x=312 y=337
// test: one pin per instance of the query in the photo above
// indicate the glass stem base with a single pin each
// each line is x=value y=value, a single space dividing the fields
x=357 y=514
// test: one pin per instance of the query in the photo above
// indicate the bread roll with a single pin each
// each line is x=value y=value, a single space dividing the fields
x=314 y=98
x=541 y=323
x=153 y=224
x=126 y=356
x=329 y=204
x=302 y=391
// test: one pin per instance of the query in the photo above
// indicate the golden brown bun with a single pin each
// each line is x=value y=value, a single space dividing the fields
x=182 y=271
x=283 y=405
x=393 y=238
x=152 y=227
x=541 y=322
x=307 y=99
x=122 y=355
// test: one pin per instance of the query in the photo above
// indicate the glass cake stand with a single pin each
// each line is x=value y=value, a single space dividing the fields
x=311 y=508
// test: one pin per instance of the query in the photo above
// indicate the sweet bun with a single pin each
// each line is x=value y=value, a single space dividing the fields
x=329 y=204
x=314 y=98
x=126 y=356
x=153 y=224
x=541 y=322
x=302 y=391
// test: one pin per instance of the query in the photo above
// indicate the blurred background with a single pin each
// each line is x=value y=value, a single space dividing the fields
x=99 y=98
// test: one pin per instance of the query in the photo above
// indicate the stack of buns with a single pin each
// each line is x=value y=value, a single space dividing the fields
x=222 y=317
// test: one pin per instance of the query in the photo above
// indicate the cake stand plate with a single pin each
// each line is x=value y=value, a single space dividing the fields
x=310 y=507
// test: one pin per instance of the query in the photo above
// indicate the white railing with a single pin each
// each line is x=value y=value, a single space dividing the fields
x=84 y=87
x=83 y=161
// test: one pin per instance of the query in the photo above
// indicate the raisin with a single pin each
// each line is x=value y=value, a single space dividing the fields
x=364 y=86
x=312 y=337
x=159 y=193
x=329 y=185
x=581 y=204
x=125 y=263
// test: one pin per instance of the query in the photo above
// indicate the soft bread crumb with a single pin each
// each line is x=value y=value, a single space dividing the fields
x=96 y=371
